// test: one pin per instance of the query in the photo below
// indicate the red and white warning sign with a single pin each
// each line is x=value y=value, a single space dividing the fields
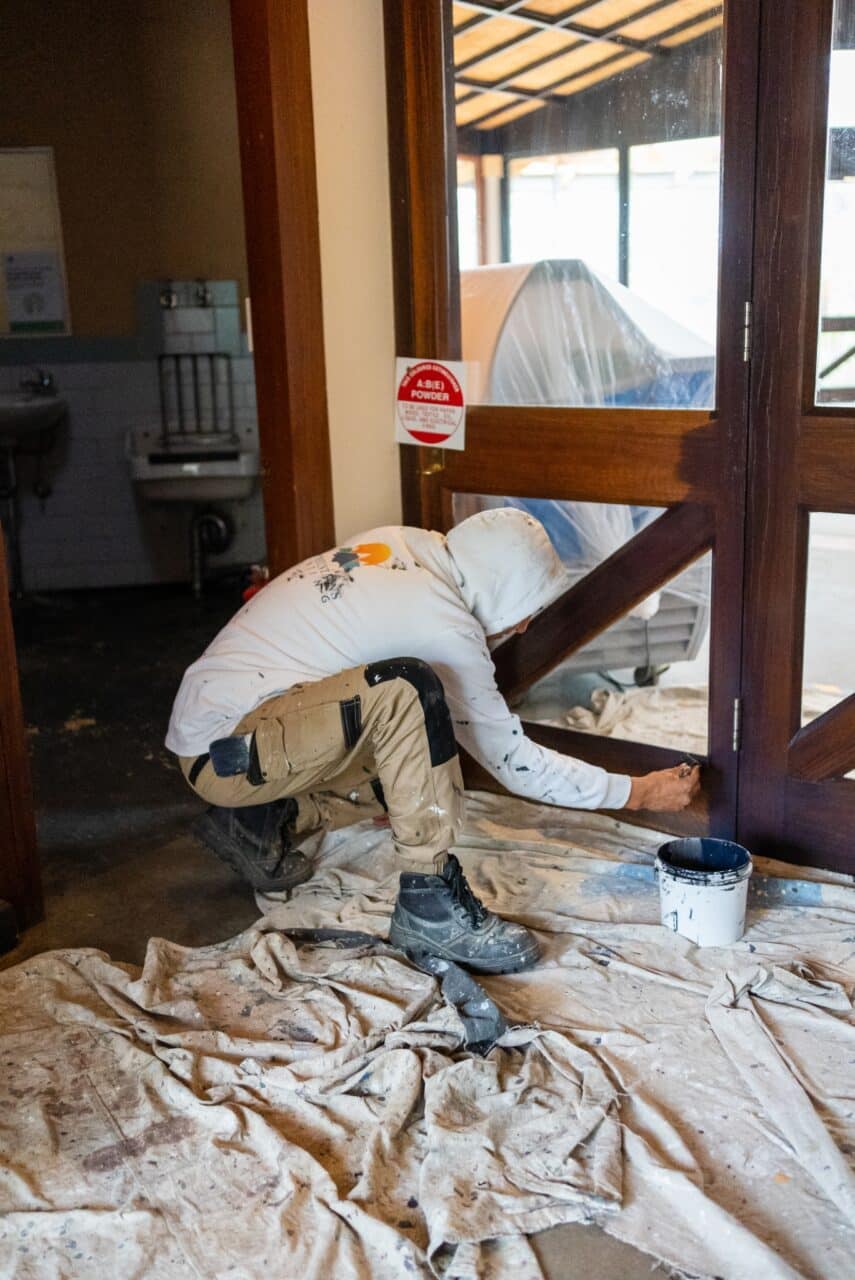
x=430 y=402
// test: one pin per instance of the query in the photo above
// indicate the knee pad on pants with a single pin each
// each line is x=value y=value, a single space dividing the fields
x=428 y=686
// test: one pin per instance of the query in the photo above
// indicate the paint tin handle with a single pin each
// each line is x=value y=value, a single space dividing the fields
x=670 y=921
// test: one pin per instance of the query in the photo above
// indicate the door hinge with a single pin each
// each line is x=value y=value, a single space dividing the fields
x=737 y=723
x=746 y=334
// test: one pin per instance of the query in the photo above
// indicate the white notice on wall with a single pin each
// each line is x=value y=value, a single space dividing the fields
x=35 y=297
x=430 y=402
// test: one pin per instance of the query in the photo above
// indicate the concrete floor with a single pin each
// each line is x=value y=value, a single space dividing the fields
x=99 y=671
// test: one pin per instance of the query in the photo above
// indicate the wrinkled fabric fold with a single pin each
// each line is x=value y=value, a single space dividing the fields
x=302 y=1103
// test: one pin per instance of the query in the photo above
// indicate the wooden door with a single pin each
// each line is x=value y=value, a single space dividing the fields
x=691 y=462
x=20 y=878
x=795 y=800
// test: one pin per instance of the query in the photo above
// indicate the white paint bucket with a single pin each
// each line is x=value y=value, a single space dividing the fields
x=703 y=889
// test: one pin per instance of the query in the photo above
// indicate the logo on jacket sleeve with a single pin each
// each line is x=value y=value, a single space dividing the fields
x=363 y=553
x=339 y=565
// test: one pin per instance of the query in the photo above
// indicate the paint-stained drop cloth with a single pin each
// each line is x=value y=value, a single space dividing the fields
x=276 y=1107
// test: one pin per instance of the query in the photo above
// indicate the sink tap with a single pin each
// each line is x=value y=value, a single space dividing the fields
x=41 y=384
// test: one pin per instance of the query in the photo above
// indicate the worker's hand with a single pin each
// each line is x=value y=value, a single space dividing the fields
x=666 y=790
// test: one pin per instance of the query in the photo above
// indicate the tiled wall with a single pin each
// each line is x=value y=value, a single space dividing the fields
x=94 y=530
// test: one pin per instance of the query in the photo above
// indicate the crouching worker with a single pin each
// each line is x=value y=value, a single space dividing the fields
x=342 y=689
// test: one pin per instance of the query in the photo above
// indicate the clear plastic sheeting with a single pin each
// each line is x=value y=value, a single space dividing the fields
x=557 y=333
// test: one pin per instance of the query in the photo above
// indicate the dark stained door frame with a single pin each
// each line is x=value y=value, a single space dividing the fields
x=656 y=457
x=422 y=176
x=794 y=803
x=277 y=146
x=20 y=881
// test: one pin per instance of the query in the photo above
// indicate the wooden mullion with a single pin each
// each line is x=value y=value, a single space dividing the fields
x=617 y=756
x=740 y=52
x=649 y=457
x=671 y=422
x=423 y=189
x=825 y=748
x=826 y=461
x=604 y=595
x=799 y=457
x=621 y=756
x=817 y=826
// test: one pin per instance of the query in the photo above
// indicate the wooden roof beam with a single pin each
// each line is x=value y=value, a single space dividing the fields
x=541 y=95
x=564 y=22
x=504 y=84
x=507 y=12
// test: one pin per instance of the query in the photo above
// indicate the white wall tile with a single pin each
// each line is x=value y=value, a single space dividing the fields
x=94 y=530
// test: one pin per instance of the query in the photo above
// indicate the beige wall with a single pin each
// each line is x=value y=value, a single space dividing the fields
x=349 y=100
x=191 y=114
x=137 y=99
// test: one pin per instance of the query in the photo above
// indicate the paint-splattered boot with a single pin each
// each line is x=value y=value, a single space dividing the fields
x=257 y=842
x=439 y=915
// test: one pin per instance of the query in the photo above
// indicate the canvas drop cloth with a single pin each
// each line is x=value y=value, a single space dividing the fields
x=276 y=1107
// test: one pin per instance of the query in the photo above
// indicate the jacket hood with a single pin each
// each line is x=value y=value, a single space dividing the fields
x=508 y=567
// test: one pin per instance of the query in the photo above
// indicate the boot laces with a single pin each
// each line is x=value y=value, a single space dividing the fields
x=464 y=896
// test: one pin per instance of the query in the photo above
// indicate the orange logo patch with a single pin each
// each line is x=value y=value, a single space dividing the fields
x=372 y=552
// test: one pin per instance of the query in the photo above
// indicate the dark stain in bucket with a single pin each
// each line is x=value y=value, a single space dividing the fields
x=704 y=855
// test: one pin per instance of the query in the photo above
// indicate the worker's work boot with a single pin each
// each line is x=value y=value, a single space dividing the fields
x=439 y=915
x=257 y=842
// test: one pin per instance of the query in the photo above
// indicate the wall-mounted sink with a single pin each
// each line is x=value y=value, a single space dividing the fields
x=24 y=413
x=27 y=419
x=220 y=471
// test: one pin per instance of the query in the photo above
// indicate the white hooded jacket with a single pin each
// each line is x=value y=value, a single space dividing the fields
x=398 y=592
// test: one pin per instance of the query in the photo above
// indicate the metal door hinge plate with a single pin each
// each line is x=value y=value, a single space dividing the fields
x=746 y=334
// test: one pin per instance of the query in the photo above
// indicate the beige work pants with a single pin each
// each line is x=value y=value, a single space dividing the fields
x=329 y=744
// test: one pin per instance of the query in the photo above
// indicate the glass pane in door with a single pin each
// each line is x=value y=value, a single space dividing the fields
x=835 y=373
x=673 y=229
x=646 y=677
x=566 y=205
x=467 y=212
x=601 y=160
x=643 y=679
x=828 y=672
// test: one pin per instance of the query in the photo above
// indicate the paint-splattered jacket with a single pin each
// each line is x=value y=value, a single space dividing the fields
x=400 y=592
